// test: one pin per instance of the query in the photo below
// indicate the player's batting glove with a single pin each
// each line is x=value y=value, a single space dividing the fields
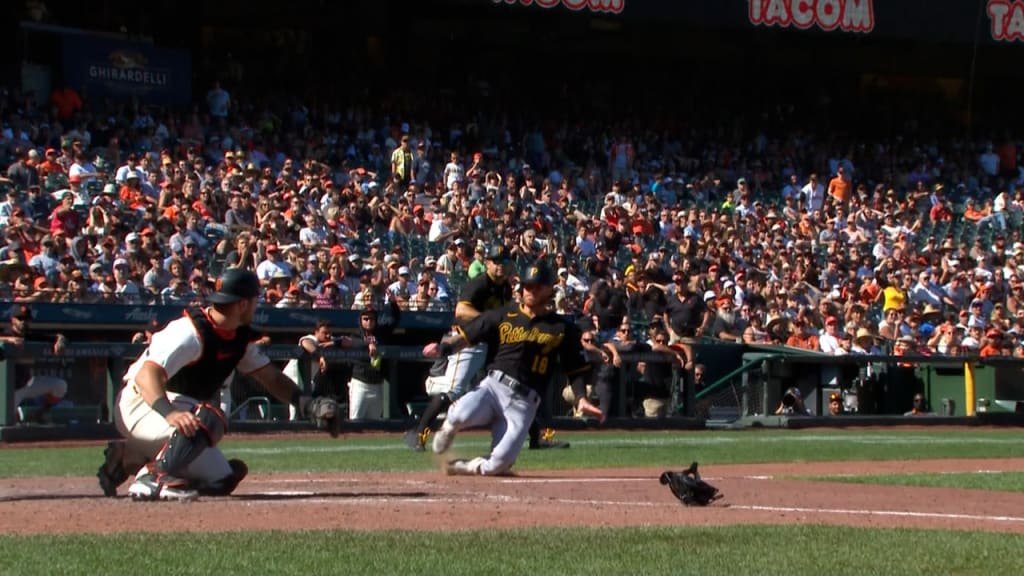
x=586 y=407
x=323 y=413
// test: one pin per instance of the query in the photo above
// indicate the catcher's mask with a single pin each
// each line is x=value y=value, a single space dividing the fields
x=688 y=487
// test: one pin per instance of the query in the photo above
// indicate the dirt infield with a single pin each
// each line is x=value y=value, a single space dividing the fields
x=754 y=494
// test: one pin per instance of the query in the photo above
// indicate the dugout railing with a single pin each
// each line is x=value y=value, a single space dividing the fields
x=742 y=382
x=870 y=386
x=94 y=373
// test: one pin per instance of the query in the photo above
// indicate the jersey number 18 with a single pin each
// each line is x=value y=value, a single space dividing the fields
x=540 y=365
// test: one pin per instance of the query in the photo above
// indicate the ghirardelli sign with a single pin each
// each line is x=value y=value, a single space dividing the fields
x=828 y=15
x=1006 y=20
x=603 y=6
x=128 y=67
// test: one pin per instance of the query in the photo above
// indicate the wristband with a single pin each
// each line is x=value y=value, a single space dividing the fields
x=163 y=406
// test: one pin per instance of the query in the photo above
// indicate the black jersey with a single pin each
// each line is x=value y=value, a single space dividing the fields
x=368 y=369
x=484 y=294
x=527 y=348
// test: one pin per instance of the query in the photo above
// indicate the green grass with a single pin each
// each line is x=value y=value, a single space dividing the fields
x=790 y=550
x=589 y=450
x=998 y=481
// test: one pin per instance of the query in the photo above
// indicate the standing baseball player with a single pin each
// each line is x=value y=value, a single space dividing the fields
x=485 y=292
x=527 y=339
x=46 y=389
x=366 y=386
x=167 y=408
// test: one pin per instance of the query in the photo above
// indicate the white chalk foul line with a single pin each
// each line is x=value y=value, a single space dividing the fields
x=358 y=501
x=477 y=497
x=570 y=480
x=895 y=513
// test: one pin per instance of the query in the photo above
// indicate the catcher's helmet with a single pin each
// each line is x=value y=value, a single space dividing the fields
x=538 y=273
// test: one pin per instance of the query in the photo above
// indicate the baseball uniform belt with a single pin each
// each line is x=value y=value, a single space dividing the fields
x=518 y=388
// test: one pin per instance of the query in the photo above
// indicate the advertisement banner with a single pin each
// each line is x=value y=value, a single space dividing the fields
x=122 y=69
x=932 y=21
x=598 y=6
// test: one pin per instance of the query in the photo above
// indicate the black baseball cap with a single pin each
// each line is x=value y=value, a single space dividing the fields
x=499 y=253
x=234 y=285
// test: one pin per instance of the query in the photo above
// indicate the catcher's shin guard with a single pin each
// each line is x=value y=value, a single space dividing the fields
x=180 y=450
x=225 y=486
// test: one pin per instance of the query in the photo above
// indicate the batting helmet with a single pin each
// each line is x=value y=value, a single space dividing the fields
x=538 y=273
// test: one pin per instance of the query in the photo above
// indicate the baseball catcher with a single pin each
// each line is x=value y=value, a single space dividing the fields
x=166 y=413
x=689 y=488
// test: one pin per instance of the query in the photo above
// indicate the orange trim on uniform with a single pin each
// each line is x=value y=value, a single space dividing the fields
x=462 y=333
x=215 y=409
x=225 y=334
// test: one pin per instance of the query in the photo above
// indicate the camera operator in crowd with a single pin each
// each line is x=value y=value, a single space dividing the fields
x=792 y=404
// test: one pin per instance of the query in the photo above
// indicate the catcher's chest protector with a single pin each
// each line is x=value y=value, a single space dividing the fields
x=203 y=379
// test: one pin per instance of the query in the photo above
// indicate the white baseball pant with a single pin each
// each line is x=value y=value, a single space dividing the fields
x=460 y=373
x=507 y=413
x=365 y=401
x=52 y=387
x=147 y=432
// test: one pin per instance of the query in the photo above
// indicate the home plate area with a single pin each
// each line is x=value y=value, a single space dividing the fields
x=762 y=494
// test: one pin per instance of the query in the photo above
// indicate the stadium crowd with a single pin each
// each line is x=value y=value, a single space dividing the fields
x=826 y=243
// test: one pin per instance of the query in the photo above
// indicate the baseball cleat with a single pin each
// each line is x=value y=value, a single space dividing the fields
x=464 y=467
x=443 y=439
x=111 y=473
x=147 y=488
x=547 y=440
x=416 y=441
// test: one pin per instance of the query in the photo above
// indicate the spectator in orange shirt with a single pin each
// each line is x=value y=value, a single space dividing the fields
x=49 y=165
x=67 y=102
x=991 y=345
x=131 y=193
x=802 y=335
x=839 y=187
x=971 y=213
x=941 y=212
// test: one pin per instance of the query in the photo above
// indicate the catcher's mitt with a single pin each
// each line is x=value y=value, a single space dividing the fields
x=323 y=413
x=689 y=488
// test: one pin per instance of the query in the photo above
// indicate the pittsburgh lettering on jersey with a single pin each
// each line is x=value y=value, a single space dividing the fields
x=509 y=334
